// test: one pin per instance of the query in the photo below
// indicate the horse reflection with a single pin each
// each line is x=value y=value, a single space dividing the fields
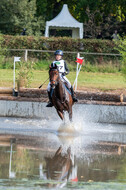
x=61 y=167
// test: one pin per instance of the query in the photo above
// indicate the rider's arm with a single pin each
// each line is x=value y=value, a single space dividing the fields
x=66 y=68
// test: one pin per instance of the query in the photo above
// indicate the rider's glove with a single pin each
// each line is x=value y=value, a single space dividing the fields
x=65 y=73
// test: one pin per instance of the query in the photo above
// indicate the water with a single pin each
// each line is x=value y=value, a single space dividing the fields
x=35 y=155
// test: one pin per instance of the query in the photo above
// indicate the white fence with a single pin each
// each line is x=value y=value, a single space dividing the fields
x=65 y=52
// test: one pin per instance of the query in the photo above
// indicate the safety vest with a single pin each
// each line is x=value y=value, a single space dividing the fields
x=60 y=65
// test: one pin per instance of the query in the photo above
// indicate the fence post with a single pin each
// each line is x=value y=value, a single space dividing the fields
x=26 y=55
x=75 y=82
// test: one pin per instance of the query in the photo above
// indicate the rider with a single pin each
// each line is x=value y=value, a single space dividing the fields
x=63 y=70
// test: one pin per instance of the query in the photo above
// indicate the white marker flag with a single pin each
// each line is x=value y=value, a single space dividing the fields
x=79 y=64
x=16 y=59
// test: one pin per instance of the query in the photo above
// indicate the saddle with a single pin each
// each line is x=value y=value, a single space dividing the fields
x=68 y=89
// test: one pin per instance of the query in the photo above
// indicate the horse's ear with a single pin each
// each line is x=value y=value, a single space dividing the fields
x=55 y=66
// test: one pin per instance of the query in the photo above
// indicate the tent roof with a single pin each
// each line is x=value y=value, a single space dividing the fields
x=64 y=19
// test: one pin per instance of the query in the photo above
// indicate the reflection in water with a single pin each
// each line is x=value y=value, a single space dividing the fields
x=11 y=173
x=61 y=167
x=30 y=160
x=34 y=154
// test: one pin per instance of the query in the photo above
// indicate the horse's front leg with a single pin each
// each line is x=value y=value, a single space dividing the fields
x=70 y=114
x=60 y=114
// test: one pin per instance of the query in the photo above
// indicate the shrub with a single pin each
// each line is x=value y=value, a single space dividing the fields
x=2 y=50
x=121 y=47
x=64 y=43
x=25 y=73
x=43 y=59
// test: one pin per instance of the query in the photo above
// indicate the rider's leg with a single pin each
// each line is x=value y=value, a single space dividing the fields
x=49 y=95
x=50 y=100
x=72 y=93
x=71 y=88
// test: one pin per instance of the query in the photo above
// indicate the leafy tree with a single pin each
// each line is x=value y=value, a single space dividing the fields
x=2 y=50
x=121 y=47
x=32 y=14
x=100 y=15
x=16 y=15
x=51 y=8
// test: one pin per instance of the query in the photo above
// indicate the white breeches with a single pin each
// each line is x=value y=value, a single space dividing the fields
x=64 y=79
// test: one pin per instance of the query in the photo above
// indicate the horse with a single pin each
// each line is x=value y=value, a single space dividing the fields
x=61 y=95
x=59 y=166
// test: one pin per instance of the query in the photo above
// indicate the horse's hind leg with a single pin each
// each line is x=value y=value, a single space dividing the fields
x=60 y=114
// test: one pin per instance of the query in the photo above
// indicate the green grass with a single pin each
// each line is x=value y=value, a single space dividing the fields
x=102 y=81
x=104 y=67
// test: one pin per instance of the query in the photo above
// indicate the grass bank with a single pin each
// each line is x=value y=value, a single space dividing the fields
x=101 y=81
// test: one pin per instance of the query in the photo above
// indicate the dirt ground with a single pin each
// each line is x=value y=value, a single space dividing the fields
x=95 y=90
x=84 y=95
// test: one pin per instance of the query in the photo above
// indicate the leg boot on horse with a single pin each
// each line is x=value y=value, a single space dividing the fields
x=72 y=93
x=50 y=100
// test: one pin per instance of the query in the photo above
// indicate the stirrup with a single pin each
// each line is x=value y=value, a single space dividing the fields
x=49 y=104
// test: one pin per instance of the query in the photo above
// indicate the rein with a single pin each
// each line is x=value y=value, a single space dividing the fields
x=56 y=81
x=58 y=78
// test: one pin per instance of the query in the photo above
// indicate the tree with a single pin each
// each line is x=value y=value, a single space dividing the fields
x=50 y=9
x=2 y=50
x=100 y=15
x=121 y=47
x=32 y=14
x=16 y=15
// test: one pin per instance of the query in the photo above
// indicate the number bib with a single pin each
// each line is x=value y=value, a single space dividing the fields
x=60 y=65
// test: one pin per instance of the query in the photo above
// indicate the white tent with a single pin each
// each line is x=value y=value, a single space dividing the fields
x=64 y=20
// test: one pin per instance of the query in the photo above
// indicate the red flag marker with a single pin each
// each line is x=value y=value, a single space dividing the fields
x=80 y=61
x=75 y=179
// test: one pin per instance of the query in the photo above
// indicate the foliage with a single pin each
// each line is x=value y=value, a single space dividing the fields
x=25 y=73
x=16 y=15
x=2 y=50
x=98 y=16
x=104 y=68
x=64 y=43
x=104 y=16
x=43 y=65
x=22 y=161
x=122 y=49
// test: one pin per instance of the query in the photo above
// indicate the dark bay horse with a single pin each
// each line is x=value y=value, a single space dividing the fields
x=61 y=95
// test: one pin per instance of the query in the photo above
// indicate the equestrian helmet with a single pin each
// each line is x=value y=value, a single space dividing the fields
x=58 y=52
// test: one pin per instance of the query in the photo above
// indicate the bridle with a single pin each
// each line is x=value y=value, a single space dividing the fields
x=53 y=82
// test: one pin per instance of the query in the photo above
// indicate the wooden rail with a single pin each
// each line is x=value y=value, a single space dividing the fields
x=81 y=95
x=5 y=90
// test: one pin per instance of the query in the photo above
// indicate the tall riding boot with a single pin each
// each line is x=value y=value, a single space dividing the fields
x=50 y=100
x=72 y=93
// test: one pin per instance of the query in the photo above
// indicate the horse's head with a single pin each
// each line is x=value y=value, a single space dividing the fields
x=54 y=76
